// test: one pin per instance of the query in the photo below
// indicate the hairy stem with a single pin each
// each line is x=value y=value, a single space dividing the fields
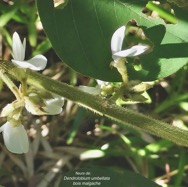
x=104 y=107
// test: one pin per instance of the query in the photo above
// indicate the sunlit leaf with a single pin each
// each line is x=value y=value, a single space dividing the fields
x=81 y=32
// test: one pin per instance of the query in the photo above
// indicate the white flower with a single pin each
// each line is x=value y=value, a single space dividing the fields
x=15 y=138
x=38 y=105
x=116 y=46
x=37 y=63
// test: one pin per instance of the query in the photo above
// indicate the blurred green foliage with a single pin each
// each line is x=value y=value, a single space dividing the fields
x=21 y=16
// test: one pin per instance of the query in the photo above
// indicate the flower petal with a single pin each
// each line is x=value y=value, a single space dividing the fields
x=21 y=64
x=15 y=138
x=18 y=48
x=117 y=39
x=37 y=63
x=133 y=51
x=54 y=105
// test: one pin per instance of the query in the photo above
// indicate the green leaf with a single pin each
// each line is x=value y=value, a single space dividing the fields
x=76 y=125
x=105 y=177
x=7 y=16
x=81 y=33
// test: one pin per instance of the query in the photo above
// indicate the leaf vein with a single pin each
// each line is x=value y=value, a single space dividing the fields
x=98 y=22
x=77 y=32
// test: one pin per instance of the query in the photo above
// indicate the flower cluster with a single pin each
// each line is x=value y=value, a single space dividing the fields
x=39 y=102
x=119 y=56
x=14 y=134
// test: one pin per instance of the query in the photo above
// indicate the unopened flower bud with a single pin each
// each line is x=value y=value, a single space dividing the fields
x=7 y=110
x=13 y=109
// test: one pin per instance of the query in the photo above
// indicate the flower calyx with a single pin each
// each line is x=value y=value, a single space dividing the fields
x=136 y=91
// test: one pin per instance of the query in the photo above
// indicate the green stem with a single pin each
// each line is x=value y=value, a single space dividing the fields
x=122 y=69
x=10 y=84
x=163 y=13
x=104 y=107
x=24 y=87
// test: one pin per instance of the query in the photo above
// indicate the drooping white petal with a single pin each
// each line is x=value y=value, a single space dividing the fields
x=21 y=64
x=133 y=51
x=18 y=48
x=37 y=63
x=117 y=39
x=15 y=138
x=54 y=105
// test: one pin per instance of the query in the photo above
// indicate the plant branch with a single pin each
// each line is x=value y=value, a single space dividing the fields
x=103 y=107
